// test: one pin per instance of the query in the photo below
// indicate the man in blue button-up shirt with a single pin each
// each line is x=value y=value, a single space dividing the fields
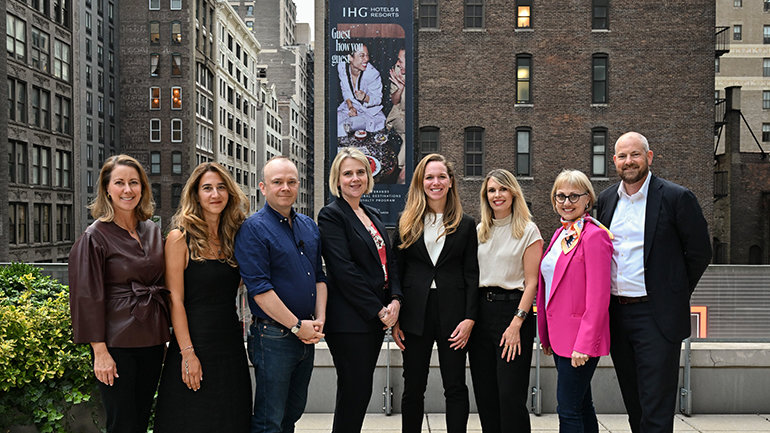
x=279 y=254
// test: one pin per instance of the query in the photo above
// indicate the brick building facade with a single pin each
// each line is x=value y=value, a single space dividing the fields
x=536 y=87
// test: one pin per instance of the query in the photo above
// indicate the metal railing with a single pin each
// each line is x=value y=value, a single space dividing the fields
x=722 y=36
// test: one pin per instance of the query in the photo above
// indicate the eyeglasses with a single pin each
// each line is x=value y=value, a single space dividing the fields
x=573 y=198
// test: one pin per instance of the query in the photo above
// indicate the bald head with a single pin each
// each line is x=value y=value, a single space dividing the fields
x=633 y=137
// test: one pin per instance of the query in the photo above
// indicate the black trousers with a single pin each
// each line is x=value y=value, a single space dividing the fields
x=128 y=401
x=647 y=366
x=416 y=367
x=501 y=388
x=355 y=358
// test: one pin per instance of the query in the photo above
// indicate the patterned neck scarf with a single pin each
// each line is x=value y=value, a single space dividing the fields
x=575 y=228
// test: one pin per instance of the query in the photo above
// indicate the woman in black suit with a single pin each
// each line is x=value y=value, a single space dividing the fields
x=364 y=291
x=436 y=251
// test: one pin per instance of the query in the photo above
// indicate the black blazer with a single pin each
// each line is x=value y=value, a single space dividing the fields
x=677 y=250
x=457 y=279
x=355 y=280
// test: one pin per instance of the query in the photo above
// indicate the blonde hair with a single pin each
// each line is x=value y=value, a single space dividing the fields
x=334 y=171
x=520 y=216
x=189 y=216
x=411 y=223
x=577 y=179
x=101 y=207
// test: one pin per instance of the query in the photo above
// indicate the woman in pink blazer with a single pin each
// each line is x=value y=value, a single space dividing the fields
x=573 y=299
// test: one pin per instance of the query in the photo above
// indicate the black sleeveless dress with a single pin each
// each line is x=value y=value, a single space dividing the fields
x=223 y=402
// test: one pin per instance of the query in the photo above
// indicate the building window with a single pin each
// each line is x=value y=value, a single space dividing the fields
x=766 y=99
x=474 y=151
x=176 y=195
x=89 y=129
x=766 y=34
x=738 y=3
x=523 y=14
x=41 y=222
x=176 y=98
x=154 y=130
x=154 y=162
x=474 y=14
x=16 y=38
x=766 y=67
x=599 y=152
x=154 y=32
x=716 y=65
x=17 y=158
x=176 y=32
x=523 y=79
x=41 y=165
x=737 y=32
x=176 y=5
x=154 y=64
x=40 y=50
x=62 y=177
x=599 y=78
x=766 y=132
x=176 y=65
x=41 y=108
x=154 y=98
x=63 y=222
x=522 y=151
x=176 y=130
x=176 y=162
x=61 y=112
x=18 y=219
x=600 y=19
x=154 y=5
x=61 y=60
x=17 y=100
x=155 y=187
x=766 y=5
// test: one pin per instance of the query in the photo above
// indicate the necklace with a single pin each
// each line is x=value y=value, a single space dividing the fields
x=215 y=244
x=131 y=231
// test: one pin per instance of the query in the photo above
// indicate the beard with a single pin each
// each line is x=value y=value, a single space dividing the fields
x=633 y=173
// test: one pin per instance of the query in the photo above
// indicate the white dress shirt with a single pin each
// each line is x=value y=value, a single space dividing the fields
x=628 y=254
x=548 y=265
x=432 y=228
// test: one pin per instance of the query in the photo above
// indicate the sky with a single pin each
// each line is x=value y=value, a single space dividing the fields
x=306 y=14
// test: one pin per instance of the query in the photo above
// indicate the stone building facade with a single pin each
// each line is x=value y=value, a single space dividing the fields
x=41 y=171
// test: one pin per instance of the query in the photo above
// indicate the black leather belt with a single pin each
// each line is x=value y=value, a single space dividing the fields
x=490 y=296
x=262 y=320
x=623 y=300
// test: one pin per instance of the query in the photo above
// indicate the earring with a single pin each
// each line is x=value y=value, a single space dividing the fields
x=109 y=197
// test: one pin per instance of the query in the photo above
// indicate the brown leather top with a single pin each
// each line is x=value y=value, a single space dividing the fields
x=116 y=286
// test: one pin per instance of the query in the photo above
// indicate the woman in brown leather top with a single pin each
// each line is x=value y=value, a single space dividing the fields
x=117 y=294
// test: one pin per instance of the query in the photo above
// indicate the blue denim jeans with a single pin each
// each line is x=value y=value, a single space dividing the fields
x=282 y=366
x=573 y=396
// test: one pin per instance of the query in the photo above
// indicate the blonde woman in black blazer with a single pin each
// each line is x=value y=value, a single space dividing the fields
x=436 y=250
x=364 y=291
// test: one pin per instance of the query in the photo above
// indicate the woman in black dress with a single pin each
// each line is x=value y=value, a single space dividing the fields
x=203 y=278
x=116 y=294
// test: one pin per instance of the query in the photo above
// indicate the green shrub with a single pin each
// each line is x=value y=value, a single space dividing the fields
x=42 y=372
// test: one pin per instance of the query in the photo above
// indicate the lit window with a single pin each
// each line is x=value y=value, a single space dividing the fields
x=176 y=98
x=523 y=14
x=154 y=98
x=154 y=32
x=176 y=32
x=523 y=79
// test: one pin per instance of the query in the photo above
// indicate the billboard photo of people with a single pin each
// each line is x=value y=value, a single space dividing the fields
x=370 y=93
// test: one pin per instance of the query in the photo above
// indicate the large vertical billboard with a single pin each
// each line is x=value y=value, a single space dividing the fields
x=370 y=105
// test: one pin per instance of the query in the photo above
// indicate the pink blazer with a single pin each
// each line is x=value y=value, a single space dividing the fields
x=577 y=316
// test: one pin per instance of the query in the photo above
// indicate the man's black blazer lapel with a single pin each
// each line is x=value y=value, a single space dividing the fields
x=608 y=209
x=654 y=201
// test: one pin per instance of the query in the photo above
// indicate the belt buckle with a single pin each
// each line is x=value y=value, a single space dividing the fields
x=490 y=296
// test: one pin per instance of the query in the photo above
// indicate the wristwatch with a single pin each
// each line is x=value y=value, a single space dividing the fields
x=521 y=313
x=295 y=328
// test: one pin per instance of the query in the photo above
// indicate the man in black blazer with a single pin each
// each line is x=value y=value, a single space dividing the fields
x=661 y=249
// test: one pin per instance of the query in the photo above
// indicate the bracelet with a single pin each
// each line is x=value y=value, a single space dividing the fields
x=188 y=347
